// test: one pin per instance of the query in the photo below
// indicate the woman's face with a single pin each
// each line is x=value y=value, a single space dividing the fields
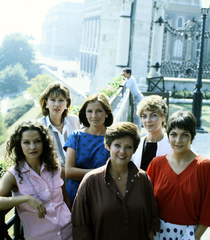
x=180 y=140
x=32 y=145
x=95 y=114
x=56 y=105
x=152 y=121
x=121 y=150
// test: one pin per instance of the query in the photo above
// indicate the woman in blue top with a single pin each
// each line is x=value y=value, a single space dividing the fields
x=85 y=148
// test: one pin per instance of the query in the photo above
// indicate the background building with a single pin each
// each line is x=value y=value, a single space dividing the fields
x=103 y=31
x=62 y=30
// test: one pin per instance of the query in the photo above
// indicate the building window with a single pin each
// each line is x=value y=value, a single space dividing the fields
x=180 y=23
x=62 y=40
x=178 y=45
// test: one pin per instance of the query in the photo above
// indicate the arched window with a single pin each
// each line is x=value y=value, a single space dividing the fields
x=180 y=23
x=178 y=45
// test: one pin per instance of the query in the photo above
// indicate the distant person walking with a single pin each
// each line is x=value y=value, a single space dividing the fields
x=137 y=95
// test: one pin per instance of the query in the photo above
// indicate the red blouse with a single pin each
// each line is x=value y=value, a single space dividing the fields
x=184 y=198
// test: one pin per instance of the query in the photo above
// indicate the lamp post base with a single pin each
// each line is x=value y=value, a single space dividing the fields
x=201 y=130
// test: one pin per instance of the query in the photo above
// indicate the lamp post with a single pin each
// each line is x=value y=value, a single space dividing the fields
x=197 y=95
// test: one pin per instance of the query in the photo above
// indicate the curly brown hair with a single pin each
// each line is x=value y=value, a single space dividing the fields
x=54 y=90
x=15 y=153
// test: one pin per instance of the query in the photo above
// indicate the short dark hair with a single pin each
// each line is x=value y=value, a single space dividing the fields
x=55 y=89
x=127 y=70
x=122 y=129
x=106 y=106
x=183 y=120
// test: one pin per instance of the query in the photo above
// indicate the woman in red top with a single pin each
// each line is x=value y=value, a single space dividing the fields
x=181 y=183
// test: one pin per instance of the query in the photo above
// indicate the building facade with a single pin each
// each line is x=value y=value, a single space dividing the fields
x=62 y=30
x=91 y=36
x=106 y=47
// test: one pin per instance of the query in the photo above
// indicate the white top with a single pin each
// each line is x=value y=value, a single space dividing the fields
x=70 y=124
x=163 y=148
x=132 y=85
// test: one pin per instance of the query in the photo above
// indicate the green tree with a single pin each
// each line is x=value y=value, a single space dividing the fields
x=12 y=77
x=39 y=84
x=2 y=129
x=15 y=49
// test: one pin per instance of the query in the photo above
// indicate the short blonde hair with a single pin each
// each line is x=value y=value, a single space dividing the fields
x=153 y=103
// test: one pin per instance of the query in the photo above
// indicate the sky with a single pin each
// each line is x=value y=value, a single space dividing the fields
x=25 y=16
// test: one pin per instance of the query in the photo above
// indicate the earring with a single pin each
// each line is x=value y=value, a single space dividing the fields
x=106 y=116
x=46 y=107
x=65 y=107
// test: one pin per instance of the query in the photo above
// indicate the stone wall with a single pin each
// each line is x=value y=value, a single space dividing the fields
x=122 y=110
x=109 y=31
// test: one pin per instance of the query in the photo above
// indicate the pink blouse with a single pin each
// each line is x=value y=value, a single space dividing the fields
x=57 y=222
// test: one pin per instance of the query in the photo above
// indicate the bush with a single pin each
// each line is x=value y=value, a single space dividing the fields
x=112 y=88
x=189 y=94
x=18 y=112
x=4 y=165
x=182 y=94
x=75 y=109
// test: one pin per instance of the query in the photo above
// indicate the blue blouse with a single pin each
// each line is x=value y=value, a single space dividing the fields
x=90 y=154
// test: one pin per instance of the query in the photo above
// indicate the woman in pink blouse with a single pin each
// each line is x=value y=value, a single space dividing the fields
x=35 y=181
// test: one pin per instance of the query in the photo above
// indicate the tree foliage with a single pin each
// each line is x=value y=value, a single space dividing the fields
x=12 y=77
x=18 y=112
x=39 y=84
x=2 y=129
x=15 y=49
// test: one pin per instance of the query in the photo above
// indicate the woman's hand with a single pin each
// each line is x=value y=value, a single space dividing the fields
x=199 y=231
x=37 y=205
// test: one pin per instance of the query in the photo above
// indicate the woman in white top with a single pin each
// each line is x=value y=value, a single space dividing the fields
x=55 y=104
x=152 y=110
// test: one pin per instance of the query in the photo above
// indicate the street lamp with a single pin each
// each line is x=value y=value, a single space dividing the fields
x=197 y=96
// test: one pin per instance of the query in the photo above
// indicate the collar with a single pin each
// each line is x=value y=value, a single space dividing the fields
x=133 y=171
x=48 y=123
x=27 y=168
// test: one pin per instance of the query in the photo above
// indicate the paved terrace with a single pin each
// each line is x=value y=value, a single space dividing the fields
x=201 y=145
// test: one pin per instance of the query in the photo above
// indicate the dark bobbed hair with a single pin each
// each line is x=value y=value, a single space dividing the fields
x=15 y=153
x=96 y=97
x=127 y=70
x=183 y=120
x=54 y=90
x=122 y=129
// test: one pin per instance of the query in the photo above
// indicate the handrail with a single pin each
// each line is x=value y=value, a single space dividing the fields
x=13 y=221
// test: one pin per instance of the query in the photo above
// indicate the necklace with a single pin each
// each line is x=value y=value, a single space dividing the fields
x=44 y=200
x=120 y=177
x=59 y=126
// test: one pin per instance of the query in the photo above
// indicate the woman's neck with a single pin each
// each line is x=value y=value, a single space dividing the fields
x=56 y=120
x=183 y=157
x=118 y=171
x=99 y=131
x=35 y=165
x=155 y=136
